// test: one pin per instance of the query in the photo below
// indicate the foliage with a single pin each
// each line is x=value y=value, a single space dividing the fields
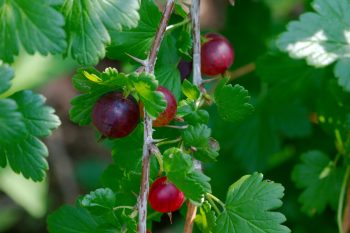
x=297 y=106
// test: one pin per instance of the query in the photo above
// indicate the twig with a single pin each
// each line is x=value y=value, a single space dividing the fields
x=240 y=72
x=148 y=131
x=346 y=218
x=196 y=33
x=198 y=81
x=191 y=215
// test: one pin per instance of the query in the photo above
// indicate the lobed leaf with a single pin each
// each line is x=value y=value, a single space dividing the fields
x=232 y=102
x=35 y=25
x=6 y=75
x=136 y=41
x=321 y=37
x=317 y=174
x=145 y=86
x=249 y=207
x=24 y=119
x=198 y=138
x=180 y=170
x=90 y=23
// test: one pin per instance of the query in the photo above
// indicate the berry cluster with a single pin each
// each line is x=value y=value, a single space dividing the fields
x=116 y=115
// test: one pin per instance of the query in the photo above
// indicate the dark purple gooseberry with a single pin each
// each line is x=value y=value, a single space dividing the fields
x=116 y=116
x=185 y=68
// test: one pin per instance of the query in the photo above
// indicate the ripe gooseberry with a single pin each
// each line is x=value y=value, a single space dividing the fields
x=164 y=197
x=115 y=115
x=169 y=113
x=217 y=55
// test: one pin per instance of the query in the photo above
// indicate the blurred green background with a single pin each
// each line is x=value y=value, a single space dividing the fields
x=77 y=160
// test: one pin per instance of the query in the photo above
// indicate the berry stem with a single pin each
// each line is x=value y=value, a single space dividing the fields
x=242 y=71
x=167 y=142
x=342 y=226
x=124 y=207
x=212 y=203
x=176 y=25
x=197 y=80
x=346 y=217
x=211 y=196
x=176 y=126
x=148 y=131
x=212 y=79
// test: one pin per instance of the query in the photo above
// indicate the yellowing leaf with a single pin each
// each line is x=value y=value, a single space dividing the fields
x=92 y=77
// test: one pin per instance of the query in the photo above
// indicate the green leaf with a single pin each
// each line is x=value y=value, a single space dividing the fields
x=342 y=72
x=40 y=120
x=136 y=41
x=82 y=83
x=191 y=114
x=27 y=156
x=190 y=91
x=166 y=70
x=198 y=138
x=25 y=117
x=70 y=219
x=321 y=37
x=124 y=183
x=99 y=201
x=6 y=75
x=294 y=73
x=184 y=43
x=153 y=101
x=90 y=23
x=11 y=122
x=37 y=25
x=317 y=175
x=179 y=10
x=180 y=170
x=232 y=102
x=291 y=119
x=206 y=218
x=255 y=141
x=130 y=224
x=127 y=151
x=249 y=207
x=199 y=116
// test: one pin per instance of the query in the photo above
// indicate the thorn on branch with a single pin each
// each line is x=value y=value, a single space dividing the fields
x=142 y=62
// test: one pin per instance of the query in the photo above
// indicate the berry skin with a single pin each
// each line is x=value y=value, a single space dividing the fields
x=217 y=55
x=185 y=69
x=115 y=116
x=164 y=197
x=169 y=113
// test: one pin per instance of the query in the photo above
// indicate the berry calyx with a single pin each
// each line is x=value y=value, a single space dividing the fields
x=185 y=68
x=217 y=55
x=115 y=115
x=164 y=197
x=169 y=113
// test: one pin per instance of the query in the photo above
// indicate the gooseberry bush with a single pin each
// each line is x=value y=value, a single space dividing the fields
x=155 y=118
